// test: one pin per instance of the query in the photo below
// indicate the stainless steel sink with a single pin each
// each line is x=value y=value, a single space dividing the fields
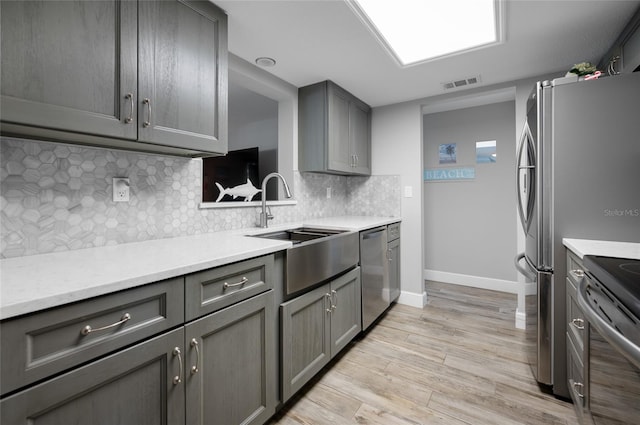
x=316 y=256
x=299 y=235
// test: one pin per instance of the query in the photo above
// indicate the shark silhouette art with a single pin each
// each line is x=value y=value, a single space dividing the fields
x=246 y=191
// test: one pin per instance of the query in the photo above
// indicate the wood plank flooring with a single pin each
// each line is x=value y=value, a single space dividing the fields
x=457 y=361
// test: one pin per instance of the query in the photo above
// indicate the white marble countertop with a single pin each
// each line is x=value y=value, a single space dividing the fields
x=38 y=282
x=582 y=247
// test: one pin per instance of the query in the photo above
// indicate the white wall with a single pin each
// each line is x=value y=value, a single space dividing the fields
x=469 y=224
x=397 y=149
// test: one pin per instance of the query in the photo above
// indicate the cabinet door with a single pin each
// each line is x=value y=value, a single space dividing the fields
x=183 y=75
x=233 y=352
x=339 y=155
x=394 y=269
x=346 y=314
x=359 y=138
x=305 y=337
x=70 y=65
x=135 y=386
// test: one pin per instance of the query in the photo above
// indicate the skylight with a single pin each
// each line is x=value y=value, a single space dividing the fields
x=419 y=30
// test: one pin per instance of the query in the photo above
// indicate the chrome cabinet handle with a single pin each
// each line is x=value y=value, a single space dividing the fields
x=334 y=295
x=577 y=387
x=328 y=297
x=88 y=329
x=356 y=163
x=147 y=101
x=578 y=323
x=389 y=255
x=228 y=285
x=196 y=367
x=178 y=378
x=578 y=272
x=129 y=97
x=611 y=68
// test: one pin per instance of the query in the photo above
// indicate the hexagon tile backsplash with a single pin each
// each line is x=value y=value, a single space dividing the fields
x=57 y=197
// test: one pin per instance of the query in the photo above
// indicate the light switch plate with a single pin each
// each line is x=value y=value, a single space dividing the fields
x=408 y=191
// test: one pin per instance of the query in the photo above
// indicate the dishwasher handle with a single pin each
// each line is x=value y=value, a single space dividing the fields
x=374 y=233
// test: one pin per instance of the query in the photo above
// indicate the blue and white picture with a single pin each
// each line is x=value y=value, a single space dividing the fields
x=447 y=153
x=486 y=152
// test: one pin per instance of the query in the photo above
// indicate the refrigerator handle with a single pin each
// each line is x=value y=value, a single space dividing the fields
x=525 y=139
x=528 y=272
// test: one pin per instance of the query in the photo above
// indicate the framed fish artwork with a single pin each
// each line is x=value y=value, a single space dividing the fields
x=234 y=177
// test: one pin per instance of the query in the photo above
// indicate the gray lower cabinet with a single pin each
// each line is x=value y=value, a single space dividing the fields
x=136 y=386
x=231 y=358
x=132 y=358
x=316 y=326
x=148 y=75
x=393 y=255
x=334 y=131
x=37 y=346
x=576 y=341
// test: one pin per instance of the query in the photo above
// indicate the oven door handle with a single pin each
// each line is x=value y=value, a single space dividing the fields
x=628 y=349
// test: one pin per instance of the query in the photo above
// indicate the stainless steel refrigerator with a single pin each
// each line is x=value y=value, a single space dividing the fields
x=578 y=174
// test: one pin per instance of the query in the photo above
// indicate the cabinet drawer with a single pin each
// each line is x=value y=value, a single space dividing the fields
x=393 y=231
x=213 y=289
x=575 y=376
x=576 y=322
x=42 y=344
x=575 y=269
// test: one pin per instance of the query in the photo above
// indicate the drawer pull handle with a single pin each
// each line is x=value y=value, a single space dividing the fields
x=178 y=378
x=194 y=344
x=578 y=323
x=88 y=329
x=577 y=387
x=328 y=297
x=228 y=285
x=578 y=272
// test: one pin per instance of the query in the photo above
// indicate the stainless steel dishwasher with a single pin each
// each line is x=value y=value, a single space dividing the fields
x=375 y=274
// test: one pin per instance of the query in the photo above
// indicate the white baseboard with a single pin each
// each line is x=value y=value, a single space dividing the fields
x=413 y=299
x=473 y=281
x=521 y=320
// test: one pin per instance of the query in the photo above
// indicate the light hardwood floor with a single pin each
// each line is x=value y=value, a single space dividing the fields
x=459 y=360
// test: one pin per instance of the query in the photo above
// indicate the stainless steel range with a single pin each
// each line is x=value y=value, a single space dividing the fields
x=609 y=296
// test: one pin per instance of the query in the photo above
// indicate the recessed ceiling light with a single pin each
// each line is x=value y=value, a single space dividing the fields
x=415 y=31
x=265 y=62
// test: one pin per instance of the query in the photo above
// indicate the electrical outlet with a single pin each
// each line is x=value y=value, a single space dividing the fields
x=328 y=193
x=120 y=189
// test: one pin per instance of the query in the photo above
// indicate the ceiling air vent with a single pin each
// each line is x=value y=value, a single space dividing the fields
x=461 y=83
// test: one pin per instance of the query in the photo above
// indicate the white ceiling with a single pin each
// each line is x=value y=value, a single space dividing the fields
x=315 y=40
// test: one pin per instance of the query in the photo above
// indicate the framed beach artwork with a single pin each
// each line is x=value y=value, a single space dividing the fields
x=447 y=153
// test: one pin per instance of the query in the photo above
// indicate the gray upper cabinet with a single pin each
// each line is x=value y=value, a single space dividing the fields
x=334 y=131
x=70 y=65
x=147 y=76
x=183 y=78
